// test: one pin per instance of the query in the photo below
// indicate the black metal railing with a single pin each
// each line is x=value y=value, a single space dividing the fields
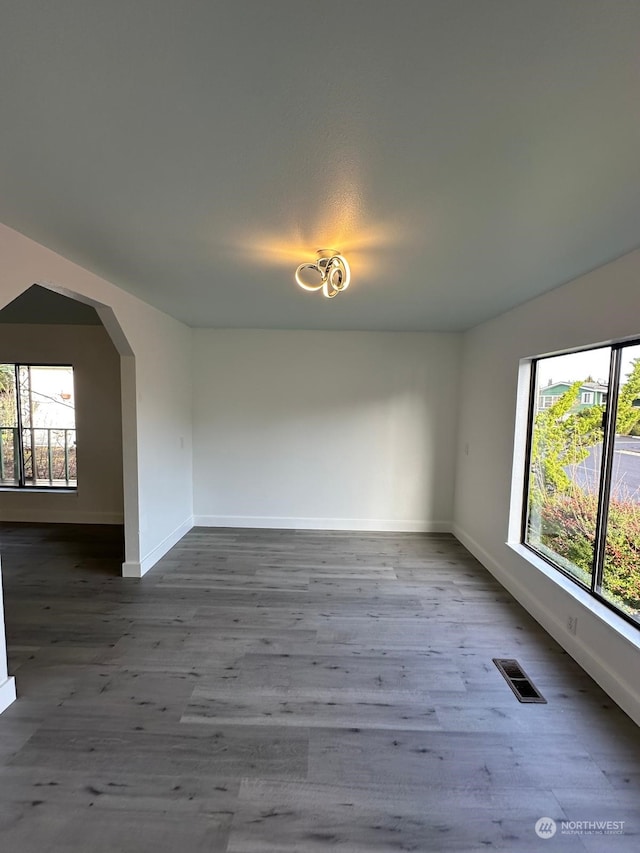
x=46 y=457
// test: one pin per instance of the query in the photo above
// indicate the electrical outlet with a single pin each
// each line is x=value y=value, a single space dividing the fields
x=572 y=625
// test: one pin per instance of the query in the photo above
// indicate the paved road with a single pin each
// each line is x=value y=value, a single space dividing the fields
x=625 y=475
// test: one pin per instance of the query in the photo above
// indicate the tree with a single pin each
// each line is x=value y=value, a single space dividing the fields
x=6 y=378
x=628 y=416
x=7 y=395
x=561 y=438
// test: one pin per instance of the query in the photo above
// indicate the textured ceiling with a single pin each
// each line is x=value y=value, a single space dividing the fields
x=465 y=155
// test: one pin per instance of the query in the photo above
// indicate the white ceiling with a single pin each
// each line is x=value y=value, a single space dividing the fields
x=466 y=155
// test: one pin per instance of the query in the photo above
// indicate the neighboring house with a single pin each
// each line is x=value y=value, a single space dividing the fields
x=590 y=394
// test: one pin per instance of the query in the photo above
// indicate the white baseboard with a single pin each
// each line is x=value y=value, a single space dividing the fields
x=7 y=693
x=132 y=569
x=61 y=516
x=614 y=684
x=479 y=553
x=290 y=523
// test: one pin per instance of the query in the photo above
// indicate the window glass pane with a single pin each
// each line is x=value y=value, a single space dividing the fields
x=621 y=572
x=49 y=425
x=26 y=408
x=566 y=459
x=8 y=426
x=37 y=426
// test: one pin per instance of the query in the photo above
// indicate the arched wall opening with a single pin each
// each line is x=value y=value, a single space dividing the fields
x=67 y=326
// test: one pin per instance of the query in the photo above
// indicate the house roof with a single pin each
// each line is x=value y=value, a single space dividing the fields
x=195 y=153
x=586 y=386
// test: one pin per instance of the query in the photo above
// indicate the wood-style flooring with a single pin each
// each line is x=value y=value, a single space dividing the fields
x=285 y=691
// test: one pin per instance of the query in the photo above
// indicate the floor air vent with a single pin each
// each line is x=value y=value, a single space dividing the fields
x=519 y=681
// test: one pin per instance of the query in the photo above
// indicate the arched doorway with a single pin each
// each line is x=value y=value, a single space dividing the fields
x=67 y=327
x=47 y=307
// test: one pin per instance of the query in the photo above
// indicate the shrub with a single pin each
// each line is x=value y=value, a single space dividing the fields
x=567 y=527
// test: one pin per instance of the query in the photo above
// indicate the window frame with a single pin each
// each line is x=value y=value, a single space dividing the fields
x=610 y=403
x=22 y=486
x=549 y=400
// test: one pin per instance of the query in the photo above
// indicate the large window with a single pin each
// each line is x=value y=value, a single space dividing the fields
x=37 y=426
x=582 y=499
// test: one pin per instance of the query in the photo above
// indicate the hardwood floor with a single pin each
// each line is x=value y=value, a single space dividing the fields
x=292 y=691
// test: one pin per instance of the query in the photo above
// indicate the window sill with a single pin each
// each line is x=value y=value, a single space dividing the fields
x=38 y=490
x=600 y=611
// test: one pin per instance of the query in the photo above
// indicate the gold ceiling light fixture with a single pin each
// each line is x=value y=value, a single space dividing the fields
x=333 y=270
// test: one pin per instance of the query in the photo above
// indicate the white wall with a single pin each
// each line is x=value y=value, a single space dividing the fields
x=96 y=375
x=595 y=308
x=342 y=430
